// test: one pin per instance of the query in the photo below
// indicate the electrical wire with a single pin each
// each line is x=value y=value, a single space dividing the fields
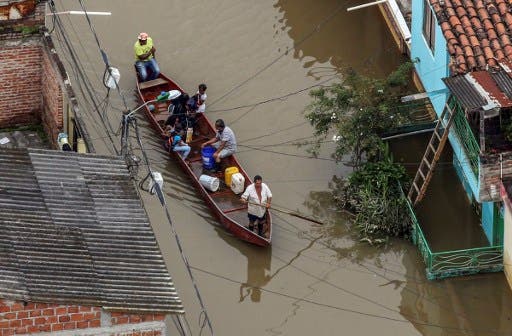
x=306 y=37
x=163 y=202
x=80 y=76
x=344 y=309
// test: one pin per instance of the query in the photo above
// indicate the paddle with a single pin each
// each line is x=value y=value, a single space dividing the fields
x=291 y=213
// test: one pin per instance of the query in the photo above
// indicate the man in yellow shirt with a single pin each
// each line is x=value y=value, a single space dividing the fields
x=145 y=58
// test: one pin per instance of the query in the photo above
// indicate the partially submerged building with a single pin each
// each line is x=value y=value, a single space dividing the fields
x=34 y=86
x=78 y=255
x=77 y=251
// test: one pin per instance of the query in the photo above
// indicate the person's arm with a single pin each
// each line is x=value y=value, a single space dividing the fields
x=209 y=142
x=144 y=56
x=221 y=146
x=245 y=196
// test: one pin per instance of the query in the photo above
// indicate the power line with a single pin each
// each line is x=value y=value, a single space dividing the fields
x=163 y=203
x=307 y=36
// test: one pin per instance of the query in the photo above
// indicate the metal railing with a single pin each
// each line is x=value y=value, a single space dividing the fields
x=465 y=135
x=440 y=265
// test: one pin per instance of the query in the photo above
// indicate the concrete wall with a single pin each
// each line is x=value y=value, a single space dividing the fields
x=507 y=236
x=431 y=68
x=58 y=319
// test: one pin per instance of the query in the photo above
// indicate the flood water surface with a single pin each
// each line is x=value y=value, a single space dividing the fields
x=259 y=60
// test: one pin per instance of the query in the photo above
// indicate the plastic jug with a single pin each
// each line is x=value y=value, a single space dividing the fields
x=228 y=173
x=237 y=183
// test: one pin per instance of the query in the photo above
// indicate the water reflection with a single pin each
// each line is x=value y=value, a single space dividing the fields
x=320 y=35
x=258 y=272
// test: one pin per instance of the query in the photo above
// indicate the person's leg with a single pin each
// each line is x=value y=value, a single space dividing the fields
x=141 y=69
x=261 y=223
x=155 y=69
x=182 y=150
x=252 y=219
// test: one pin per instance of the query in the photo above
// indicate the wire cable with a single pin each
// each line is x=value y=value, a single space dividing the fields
x=163 y=202
x=306 y=37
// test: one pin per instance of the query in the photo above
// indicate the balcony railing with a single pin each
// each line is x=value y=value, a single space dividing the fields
x=441 y=265
x=465 y=135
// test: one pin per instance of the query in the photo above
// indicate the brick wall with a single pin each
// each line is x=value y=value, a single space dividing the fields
x=52 y=97
x=32 y=318
x=20 y=82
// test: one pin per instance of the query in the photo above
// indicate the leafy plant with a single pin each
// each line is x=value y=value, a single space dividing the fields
x=356 y=111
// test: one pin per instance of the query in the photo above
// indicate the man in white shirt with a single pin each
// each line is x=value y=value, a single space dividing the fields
x=258 y=198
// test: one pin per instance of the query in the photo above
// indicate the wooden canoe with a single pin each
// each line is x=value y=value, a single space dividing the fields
x=224 y=203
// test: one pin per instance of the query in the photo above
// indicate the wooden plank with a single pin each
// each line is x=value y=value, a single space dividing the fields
x=151 y=83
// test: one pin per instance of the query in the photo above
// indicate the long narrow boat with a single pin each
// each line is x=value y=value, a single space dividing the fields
x=224 y=203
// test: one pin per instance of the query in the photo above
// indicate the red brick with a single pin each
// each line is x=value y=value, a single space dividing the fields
x=159 y=317
x=27 y=322
x=77 y=317
x=64 y=318
x=20 y=330
x=41 y=305
x=22 y=314
x=73 y=309
x=45 y=327
x=48 y=312
x=116 y=314
x=7 y=332
x=158 y=333
x=30 y=306
x=85 y=309
x=4 y=324
x=35 y=313
x=10 y=316
x=33 y=329
x=61 y=311
x=95 y=323
x=17 y=307
x=82 y=325
x=69 y=325
x=89 y=316
x=121 y=320
x=15 y=323
x=39 y=320
x=52 y=319
x=4 y=309
x=135 y=319
x=147 y=318
x=57 y=327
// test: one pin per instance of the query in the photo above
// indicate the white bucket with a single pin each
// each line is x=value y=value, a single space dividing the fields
x=209 y=182
x=237 y=183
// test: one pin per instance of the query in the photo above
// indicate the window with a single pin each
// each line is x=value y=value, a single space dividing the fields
x=429 y=26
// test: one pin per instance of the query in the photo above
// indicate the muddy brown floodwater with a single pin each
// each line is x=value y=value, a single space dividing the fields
x=315 y=280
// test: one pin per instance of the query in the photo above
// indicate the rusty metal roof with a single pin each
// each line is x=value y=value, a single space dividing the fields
x=465 y=92
x=74 y=231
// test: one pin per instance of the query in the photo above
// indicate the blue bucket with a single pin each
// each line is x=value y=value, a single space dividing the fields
x=208 y=160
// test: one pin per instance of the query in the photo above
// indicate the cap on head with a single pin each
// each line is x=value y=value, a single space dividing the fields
x=143 y=36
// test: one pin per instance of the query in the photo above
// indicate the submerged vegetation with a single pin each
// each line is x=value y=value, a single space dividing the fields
x=355 y=113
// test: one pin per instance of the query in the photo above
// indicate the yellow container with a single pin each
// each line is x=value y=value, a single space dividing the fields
x=228 y=173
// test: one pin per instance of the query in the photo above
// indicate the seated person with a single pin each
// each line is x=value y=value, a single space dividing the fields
x=171 y=123
x=224 y=141
x=178 y=145
x=145 y=58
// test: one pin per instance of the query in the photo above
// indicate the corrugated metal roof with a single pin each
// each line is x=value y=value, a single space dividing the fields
x=465 y=92
x=504 y=82
x=74 y=231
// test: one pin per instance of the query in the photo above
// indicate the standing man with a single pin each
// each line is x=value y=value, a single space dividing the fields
x=224 y=141
x=145 y=57
x=258 y=198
